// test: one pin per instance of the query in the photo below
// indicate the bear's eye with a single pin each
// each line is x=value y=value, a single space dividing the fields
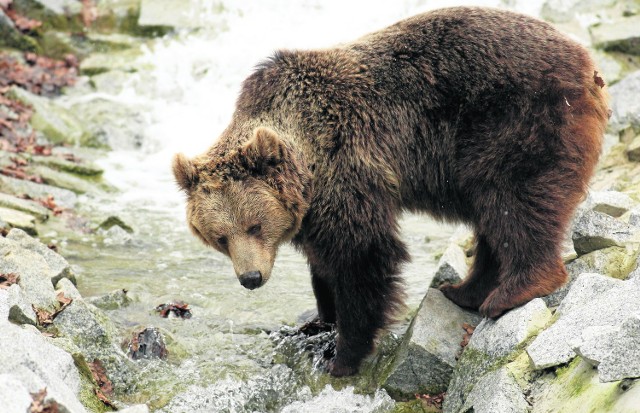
x=254 y=230
x=222 y=241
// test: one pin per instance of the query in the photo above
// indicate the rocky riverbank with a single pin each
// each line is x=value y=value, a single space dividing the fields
x=575 y=350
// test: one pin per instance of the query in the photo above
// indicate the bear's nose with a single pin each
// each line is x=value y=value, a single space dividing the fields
x=251 y=279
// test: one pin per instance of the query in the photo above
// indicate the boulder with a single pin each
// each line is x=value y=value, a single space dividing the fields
x=452 y=267
x=94 y=334
x=594 y=230
x=501 y=337
x=179 y=14
x=23 y=205
x=32 y=360
x=620 y=35
x=633 y=150
x=562 y=11
x=63 y=197
x=35 y=274
x=59 y=267
x=78 y=168
x=593 y=300
x=20 y=310
x=624 y=102
x=612 y=203
x=14 y=396
x=496 y=391
x=17 y=219
x=634 y=217
x=425 y=360
x=614 y=350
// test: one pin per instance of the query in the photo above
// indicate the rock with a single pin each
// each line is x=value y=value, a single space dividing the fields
x=4 y=306
x=452 y=267
x=20 y=310
x=14 y=396
x=593 y=300
x=612 y=203
x=23 y=205
x=620 y=35
x=59 y=267
x=561 y=11
x=634 y=217
x=95 y=335
x=60 y=7
x=35 y=274
x=148 y=344
x=63 y=197
x=612 y=69
x=425 y=360
x=496 y=392
x=10 y=36
x=113 y=123
x=31 y=358
x=595 y=230
x=501 y=337
x=56 y=123
x=111 y=301
x=624 y=103
x=61 y=164
x=614 y=350
x=568 y=250
x=112 y=221
x=64 y=180
x=190 y=15
x=17 y=219
x=115 y=236
x=125 y=60
x=633 y=150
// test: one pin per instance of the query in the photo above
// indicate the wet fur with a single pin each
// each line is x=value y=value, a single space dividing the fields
x=472 y=115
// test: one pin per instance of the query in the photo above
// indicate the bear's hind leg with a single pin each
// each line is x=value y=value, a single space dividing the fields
x=481 y=281
x=527 y=243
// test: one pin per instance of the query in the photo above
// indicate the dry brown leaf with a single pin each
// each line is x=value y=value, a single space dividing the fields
x=7 y=280
x=432 y=400
x=104 y=388
x=39 y=405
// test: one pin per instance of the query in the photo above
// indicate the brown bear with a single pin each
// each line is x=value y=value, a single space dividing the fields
x=472 y=115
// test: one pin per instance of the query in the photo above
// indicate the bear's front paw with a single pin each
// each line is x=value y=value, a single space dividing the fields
x=339 y=369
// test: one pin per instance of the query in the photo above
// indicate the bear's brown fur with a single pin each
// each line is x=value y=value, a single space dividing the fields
x=474 y=115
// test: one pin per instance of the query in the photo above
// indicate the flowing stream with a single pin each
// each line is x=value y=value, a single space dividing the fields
x=185 y=98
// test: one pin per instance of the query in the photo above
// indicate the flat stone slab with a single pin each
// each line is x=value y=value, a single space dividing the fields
x=17 y=219
x=501 y=337
x=425 y=360
x=624 y=102
x=614 y=350
x=593 y=300
x=63 y=197
x=612 y=203
x=23 y=205
x=621 y=35
x=595 y=230
x=496 y=392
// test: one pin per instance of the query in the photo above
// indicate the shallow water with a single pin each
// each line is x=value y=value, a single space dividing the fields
x=186 y=101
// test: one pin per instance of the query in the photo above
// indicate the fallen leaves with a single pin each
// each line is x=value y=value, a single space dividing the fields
x=468 y=332
x=39 y=405
x=45 y=318
x=7 y=280
x=178 y=308
x=22 y=23
x=432 y=400
x=598 y=79
x=104 y=388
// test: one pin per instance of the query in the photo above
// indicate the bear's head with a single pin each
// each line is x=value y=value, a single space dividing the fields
x=246 y=201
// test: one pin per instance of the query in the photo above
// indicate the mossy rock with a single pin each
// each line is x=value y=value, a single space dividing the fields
x=57 y=15
x=61 y=164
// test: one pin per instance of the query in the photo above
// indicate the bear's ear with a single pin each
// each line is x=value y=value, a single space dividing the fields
x=265 y=147
x=185 y=172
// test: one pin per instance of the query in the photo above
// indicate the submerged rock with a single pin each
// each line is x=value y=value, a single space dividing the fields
x=343 y=401
x=147 y=344
x=614 y=350
x=425 y=360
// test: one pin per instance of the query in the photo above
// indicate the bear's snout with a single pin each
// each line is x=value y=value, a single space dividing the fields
x=251 y=280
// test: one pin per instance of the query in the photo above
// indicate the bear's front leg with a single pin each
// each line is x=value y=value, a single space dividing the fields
x=367 y=296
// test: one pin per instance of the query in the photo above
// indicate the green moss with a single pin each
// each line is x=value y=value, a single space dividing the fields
x=616 y=262
x=88 y=385
x=414 y=406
